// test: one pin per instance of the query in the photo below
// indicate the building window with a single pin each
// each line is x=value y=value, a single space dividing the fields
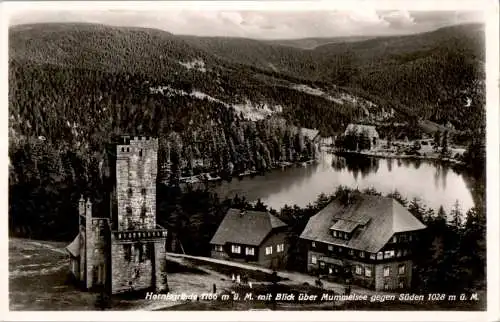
x=313 y=245
x=389 y=254
x=410 y=238
x=127 y=250
x=380 y=255
x=405 y=252
x=334 y=233
x=143 y=191
x=148 y=250
x=218 y=248
x=139 y=253
x=249 y=251
x=398 y=254
x=129 y=211
x=330 y=270
x=102 y=230
x=269 y=250
x=359 y=270
x=387 y=271
x=394 y=239
x=130 y=192
x=368 y=272
x=401 y=269
x=386 y=286
x=402 y=283
x=322 y=264
x=280 y=248
x=136 y=273
x=330 y=247
x=340 y=249
x=373 y=256
x=362 y=254
x=314 y=259
x=235 y=249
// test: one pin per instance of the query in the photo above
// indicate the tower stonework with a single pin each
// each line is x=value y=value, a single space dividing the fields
x=123 y=249
x=137 y=242
x=136 y=172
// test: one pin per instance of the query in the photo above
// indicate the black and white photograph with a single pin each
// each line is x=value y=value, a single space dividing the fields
x=173 y=157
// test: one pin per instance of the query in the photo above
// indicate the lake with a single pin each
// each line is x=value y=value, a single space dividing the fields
x=433 y=183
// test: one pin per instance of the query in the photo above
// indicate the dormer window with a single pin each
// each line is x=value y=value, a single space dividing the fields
x=334 y=233
x=389 y=254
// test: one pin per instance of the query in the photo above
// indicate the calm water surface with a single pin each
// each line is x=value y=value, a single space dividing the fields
x=435 y=184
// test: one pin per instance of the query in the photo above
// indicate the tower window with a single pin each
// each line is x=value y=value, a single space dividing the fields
x=128 y=149
x=139 y=253
x=143 y=211
x=130 y=192
x=140 y=152
x=143 y=191
x=129 y=211
x=149 y=249
x=127 y=249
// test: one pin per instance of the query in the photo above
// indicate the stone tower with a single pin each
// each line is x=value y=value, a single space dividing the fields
x=120 y=247
x=136 y=172
x=137 y=242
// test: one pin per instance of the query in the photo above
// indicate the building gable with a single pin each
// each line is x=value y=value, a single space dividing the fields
x=366 y=223
x=245 y=227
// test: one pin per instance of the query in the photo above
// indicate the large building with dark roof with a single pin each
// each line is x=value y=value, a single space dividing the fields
x=366 y=239
x=251 y=236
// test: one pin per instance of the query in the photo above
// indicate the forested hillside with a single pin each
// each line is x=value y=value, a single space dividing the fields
x=436 y=75
x=74 y=86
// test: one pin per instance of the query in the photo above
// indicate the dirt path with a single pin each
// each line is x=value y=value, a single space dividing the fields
x=294 y=277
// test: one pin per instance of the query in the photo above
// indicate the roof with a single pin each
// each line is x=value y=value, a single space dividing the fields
x=345 y=226
x=376 y=218
x=311 y=134
x=359 y=128
x=247 y=228
x=74 y=247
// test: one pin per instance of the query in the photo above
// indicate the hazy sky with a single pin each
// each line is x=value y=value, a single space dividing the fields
x=257 y=24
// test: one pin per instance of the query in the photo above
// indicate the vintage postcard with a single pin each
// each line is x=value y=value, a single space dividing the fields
x=266 y=157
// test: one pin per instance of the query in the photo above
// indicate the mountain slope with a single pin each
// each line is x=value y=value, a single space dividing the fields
x=432 y=75
x=72 y=87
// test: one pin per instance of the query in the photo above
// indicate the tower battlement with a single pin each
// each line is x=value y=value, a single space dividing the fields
x=132 y=140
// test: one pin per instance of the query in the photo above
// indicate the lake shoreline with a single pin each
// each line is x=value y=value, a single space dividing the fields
x=384 y=155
